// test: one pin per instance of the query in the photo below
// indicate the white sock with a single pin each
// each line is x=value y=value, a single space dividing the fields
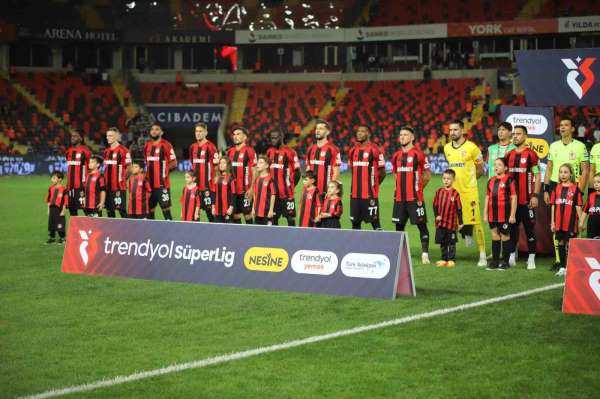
x=531 y=257
x=482 y=255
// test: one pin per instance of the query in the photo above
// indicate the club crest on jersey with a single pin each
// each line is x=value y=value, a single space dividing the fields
x=114 y=155
x=463 y=153
x=409 y=159
x=157 y=151
x=365 y=155
x=202 y=152
x=523 y=160
x=580 y=90
x=502 y=185
x=78 y=155
x=572 y=156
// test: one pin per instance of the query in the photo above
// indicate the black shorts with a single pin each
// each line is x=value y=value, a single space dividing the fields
x=503 y=228
x=285 y=207
x=161 y=197
x=404 y=210
x=221 y=219
x=262 y=221
x=136 y=216
x=564 y=235
x=76 y=198
x=208 y=199
x=525 y=215
x=56 y=223
x=593 y=227
x=330 y=223
x=116 y=200
x=445 y=236
x=93 y=212
x=242 y=204
x=364 y=210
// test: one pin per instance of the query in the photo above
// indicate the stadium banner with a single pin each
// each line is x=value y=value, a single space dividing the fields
x=582 y=282
x=370 y=264
x=579 y=24
x=177 y=37
x=178 y=115
x=560 y=77
x=62 y=33
x=289 y=36
x=501 y=28
x=22 y=165
x=385 y=33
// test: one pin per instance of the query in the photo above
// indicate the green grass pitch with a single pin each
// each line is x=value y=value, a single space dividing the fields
x=60 y=330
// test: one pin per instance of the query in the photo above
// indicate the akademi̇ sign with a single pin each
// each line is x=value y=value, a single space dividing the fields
x=242 y=256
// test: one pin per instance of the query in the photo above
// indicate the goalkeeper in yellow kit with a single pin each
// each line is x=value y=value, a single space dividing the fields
x=465 y=159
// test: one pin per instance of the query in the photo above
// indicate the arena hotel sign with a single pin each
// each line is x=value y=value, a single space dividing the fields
x=70 y=34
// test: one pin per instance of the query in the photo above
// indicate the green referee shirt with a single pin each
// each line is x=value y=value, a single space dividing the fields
x=595 y=157
x=573 y=153
x=496 y=151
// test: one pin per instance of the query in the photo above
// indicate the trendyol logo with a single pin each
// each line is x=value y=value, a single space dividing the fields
x=584 y=68
x=88 y=246
x=594 y=279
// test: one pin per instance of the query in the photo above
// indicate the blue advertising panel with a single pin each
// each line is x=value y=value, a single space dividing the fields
x=329 y=261
x=560 y=77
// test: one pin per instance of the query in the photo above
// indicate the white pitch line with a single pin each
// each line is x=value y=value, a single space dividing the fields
x=278 y=347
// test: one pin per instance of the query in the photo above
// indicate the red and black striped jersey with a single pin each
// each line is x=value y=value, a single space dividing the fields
x=365 y=162
x=203 y=158
x=263 y=190
x=322 y=160
x=520 y=167
x=500 y=189
x=116 y=161
x=446 y=204
x=158 y=156
x=139 y=195
x=190 y=201
x=77 y=166
x=592 y=205
x=94 y=185
x=409 y=167
x=57 y=196
x=284 y=162
x=332 y=206
x=242 y=159
x=224 y=189
x=310 y=206
x=565 y=199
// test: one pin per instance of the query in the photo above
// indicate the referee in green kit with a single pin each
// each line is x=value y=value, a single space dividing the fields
x=570 y=151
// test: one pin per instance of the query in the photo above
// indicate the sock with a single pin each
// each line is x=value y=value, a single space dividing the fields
x=355 y=225
x=376 y=225
x=400 y=227
x=291 y=222
x=110 y=214
x=167 y=215
x=562 y=255
x=249 y=221
x=236 y=221
x=150 y=215
x=531 y=257
x=531 y=245
x=61 y=234
x=123 y=213
x=424 y=237
x=73 y=212
x=496 y=249
x=451 y=252
x=480 y=238
x=275 y=221
x=444 y=251
x=506 y=250
x=210 y=217
x=556 y=253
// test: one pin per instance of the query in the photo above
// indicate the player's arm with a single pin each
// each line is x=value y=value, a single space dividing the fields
x=250 y=192
x=296 y=164
x=537 y=187
x=271 y=207
x=65 y=204
x=459 y=214
x=381 y=164
x=547 y=185
x=513 y=209
x=582 y=220
x=336 y=165
x=485 y=208
x=583 y=179
x=478 y=160
x=231 y=197
x=172 y=158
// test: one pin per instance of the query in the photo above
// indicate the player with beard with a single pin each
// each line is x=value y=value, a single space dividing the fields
x=78 y=157
x=323 y=158
x=203 y=157
x=412 y=175
x=116 y=168
x=523 y=168
x=464 y=157
x=367 y=164
x=285 y=172
x=243 y=169
x=160 y=160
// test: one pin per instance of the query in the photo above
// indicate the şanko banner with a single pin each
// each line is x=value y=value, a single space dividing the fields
x=371 y=264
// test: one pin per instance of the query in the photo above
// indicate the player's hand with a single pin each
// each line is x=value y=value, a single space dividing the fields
x=552 y=229
x=229 y=210
x=270 y=214
x=547 y=198
x=213 y=209
x=62 y=213
x=460 y=227
x=512 y=220
x=253 y=214
x=533 y=202
x=438 y=218
x=248 y=194
x=100 y=206
x=318 y=219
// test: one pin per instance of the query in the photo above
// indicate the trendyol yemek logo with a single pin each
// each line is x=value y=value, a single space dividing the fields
x=305 y=261
x=536 y=124
x=584 y=68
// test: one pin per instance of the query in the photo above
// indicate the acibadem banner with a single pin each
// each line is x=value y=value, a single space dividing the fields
x=329 y=261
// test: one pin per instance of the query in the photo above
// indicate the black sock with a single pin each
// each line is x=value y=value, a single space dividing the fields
x=531 y=245
x=123 y=213
x=400 y=227
x=236 y=221
x=444 y=251
x=167 y=215
x=150 y=215
x=275 y=221
x=451 y=252
x=291 y=222
x=496 y=249
x=210 y=217
x=355 y=225
x=424 y=237
x=506 y=250
x=61 y=234
x=249 y=221
x=376 y=225
x=562 y=255
x=73 y=211
x=110 y=214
